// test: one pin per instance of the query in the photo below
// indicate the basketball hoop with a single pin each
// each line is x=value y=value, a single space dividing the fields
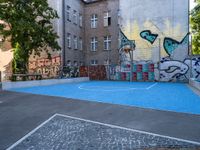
x=128 y=48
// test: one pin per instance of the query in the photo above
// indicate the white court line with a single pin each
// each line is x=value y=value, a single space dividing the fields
x=104 y=124
x=33 y=131
x=148 y=88
x=92 y=88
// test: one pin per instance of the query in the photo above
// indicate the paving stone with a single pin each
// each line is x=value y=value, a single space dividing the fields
x=63 y=133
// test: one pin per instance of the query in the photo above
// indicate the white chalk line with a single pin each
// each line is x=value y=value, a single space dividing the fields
x=112 y=88
x=104 y=124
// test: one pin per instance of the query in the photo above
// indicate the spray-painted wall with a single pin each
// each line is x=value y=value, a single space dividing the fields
x=160 y=30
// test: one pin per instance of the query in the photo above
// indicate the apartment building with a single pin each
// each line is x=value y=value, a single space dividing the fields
x=73 y=53
x=90 y=32
x=101 y=32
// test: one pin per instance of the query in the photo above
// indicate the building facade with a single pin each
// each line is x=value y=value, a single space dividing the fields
x=160 y=30
x=73 y=53
x=91 y=32
x=101 y=32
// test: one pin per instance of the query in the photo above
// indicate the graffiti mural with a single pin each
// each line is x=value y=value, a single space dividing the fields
x=70 y=72
x=159 y=39
x=172 y=70
x=147 y=35
x=140 y=72
x=170 y=44
x=94 y=72
x=194 y=64
x=125 y=56
x=49 y=68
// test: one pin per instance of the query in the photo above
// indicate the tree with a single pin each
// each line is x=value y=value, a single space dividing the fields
x=195 y=25
x=29 y=28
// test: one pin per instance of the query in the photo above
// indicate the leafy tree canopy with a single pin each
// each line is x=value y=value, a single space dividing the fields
x=27 y=23
x=195 y=25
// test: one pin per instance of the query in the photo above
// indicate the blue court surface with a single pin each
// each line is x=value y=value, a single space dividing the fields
x=176 y=97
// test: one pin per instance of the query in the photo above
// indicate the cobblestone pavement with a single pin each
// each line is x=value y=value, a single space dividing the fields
x=64 y=133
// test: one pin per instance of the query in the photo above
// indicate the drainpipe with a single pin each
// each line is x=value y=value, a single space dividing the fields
x=63 y=22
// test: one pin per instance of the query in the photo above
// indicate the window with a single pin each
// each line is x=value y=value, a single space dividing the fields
x=94 y=62
x=107 y=62
x=94 y=20
x=68 y=40
x=68 y=13
x=75 y=20
x=75 y=63
x=107 y=19
x=75 y=42
x=81 y=63
x=80 y=43
x=80 y=20
x=69 y=63
x=94 y=44
x=107 y=43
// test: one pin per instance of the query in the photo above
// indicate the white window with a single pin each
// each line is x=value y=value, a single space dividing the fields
x=107 y=43
x=107 y=19
x=94 y=44
x=68 y=13
x=94 y=20
x=75 y=20
x=94 y=62
x=80 y=20
x=81 y=43
x=75 y=42
x=69 y=63
x=107 y=62
x=68 y=40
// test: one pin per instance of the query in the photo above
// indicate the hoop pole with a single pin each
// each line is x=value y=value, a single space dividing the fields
x=191 y=56
x=131 y=70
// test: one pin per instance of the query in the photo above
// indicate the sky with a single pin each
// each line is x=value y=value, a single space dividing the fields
x=192 y=4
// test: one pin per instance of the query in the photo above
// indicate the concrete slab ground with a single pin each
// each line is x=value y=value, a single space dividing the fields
x=20 y=113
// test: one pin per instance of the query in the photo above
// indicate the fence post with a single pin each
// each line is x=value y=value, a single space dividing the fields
x=159 y=55
x=88 y=71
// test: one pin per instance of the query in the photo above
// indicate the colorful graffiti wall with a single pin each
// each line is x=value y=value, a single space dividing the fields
x=49 y=68
x=160 y=35
x=94 y=72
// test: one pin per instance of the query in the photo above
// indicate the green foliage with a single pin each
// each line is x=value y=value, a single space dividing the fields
x=195 y=25
x=18 y=63
x=29 y=28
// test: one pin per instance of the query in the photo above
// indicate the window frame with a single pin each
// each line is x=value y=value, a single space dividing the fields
x=94 y=21
x=80 y=20
x=94 y=44
x=107 y=19
x=94 y=62
x=68 y=16
x=75 y=17
x=107 y=42
x=75 y=42
x=80 y=44
x=69 y=43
